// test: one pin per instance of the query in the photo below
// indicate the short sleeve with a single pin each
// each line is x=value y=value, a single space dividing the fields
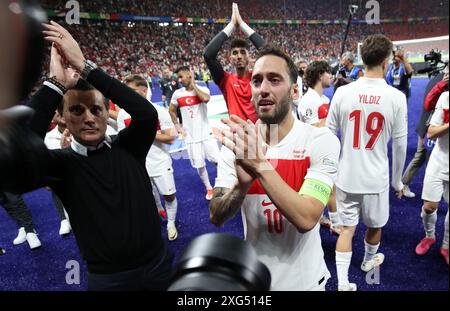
x=226 y=169
x=324 y=157
x=438 y=115
x=122 y=119
x=165 y=120
x=174 y=100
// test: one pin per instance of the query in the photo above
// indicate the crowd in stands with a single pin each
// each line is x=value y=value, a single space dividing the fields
x=143 y=48
x=146 y=47
x=258 y=9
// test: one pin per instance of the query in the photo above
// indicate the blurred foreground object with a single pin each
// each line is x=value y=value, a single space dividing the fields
x=220 y=262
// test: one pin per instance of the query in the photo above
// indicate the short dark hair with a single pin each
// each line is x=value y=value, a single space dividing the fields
x=375 y=50
x=136 y=79
x=182 y=68
x=272 y=50
x=315 y=70
x=84 y=86
x=239 y=43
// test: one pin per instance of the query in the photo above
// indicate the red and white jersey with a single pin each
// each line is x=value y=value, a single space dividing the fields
x=194 y=114
x=53 y=139
x=313 y=107
x=158 y=161
x=295 y=260
x=368 y=112
x=238 y=95
x=438 y=163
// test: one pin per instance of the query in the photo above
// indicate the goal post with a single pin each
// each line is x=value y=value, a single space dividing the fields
x=416 y=49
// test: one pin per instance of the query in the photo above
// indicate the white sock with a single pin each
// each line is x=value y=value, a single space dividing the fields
x=370 y=250
x=203 y=173
x=171 y=208
x=156 y=196
x=343 y=261
x=429 y=223
x=445 y=241
x=335 y=219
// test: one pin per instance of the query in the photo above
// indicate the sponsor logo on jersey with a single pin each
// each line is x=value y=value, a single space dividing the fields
x=265 y=203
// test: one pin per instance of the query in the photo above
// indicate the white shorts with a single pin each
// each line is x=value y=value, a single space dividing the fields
x=372 y=208
x=434 y=189
x=165 y=183
x=197 y=152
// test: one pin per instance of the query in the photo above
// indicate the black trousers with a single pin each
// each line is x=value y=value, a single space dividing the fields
x=145 y=278
x=17 y=210
x=59 y=206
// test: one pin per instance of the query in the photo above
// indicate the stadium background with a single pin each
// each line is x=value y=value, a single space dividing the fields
x=125 y=46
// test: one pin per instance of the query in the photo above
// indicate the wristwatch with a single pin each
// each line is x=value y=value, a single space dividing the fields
x=88 y=67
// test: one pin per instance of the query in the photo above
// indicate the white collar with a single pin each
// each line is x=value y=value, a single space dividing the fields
x=83 y=150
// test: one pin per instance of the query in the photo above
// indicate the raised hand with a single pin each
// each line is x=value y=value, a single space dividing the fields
x=66 y=44
x=238 y=15
x=233 y=16
x=66 y=139
x=244 y=139
x=66 y=76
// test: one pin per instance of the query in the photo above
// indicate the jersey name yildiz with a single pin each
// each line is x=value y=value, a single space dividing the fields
x=295 y=260
x=438 y=163
x=158 y=161
x=369 y=113
x=194 y=113
x=313 y=107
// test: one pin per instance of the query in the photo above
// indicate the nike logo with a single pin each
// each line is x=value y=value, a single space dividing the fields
x=264 y=203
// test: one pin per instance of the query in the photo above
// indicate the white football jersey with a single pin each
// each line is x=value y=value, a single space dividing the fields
x=438 y=162
x=194 y=114
x=313 y=107
x=295 y=260
x=158 y=161
x=53 y=139
x=368 y=112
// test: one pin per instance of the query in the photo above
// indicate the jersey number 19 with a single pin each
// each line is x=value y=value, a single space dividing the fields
x=374 y=127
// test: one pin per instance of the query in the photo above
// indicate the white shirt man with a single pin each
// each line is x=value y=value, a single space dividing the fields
x=279 y=172
x=313 y=107
x=159 y=167
x=369 y=113
x=196 y=129
x=295 y=260
x=436 y=181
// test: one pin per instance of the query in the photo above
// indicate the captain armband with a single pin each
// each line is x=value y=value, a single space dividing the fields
x=316 y=189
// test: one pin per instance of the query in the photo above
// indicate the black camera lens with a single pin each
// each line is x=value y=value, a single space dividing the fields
x=220 y=262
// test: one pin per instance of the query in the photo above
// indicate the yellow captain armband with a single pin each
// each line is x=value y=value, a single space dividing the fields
x=316 y=189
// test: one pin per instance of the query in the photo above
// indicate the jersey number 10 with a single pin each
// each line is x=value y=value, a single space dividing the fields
x=374 y=127
x=274 y=220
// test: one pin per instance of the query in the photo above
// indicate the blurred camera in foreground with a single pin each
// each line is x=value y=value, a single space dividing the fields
x=220 y=262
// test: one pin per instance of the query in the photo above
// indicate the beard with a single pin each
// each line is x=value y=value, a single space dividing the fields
x=280 y=112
